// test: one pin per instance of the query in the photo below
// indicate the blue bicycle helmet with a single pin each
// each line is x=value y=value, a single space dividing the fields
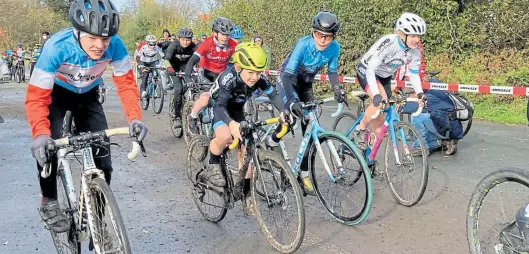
x=237 y=33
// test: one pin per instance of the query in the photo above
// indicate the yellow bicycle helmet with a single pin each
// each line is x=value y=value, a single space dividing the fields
x=249 y=55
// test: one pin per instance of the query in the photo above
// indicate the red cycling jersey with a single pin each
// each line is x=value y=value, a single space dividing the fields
x=213 y=58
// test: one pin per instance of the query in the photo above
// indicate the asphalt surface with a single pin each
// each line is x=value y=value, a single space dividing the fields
x=161 y=216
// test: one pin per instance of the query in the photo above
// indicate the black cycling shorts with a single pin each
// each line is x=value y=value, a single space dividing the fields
x=361 y=75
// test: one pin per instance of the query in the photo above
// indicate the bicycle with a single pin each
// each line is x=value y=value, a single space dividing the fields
x=154 y=90
x=403 y=157
x=256 y=162
x=86 y=211
x=19 y=73
x=188 y=96
x=205 y=118
x=503 y=237
x=336 y=174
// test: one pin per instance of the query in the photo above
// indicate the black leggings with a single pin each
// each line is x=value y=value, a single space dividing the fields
x=145 y=75
x=88 y=115
x=179 y=91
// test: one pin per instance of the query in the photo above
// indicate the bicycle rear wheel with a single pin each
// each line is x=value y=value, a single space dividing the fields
x=212 y=205
x=407 y=137
x=509 y=239
x=144 y=101
x=283 y=193
x=186 y=110
x=66 y=242
x=356 y=196
x=108 y=236
x=158 y=97
x=18 y=75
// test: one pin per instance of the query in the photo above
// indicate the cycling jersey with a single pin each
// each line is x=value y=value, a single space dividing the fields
x=64 y=63
x=305 y=61
x=231 y=93
x=402 y=72
x=150 y=55
x=385 y=57
x=214 y=58
x=178 y=56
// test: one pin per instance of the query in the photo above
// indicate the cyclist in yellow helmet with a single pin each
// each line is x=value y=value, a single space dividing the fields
x=229 y=93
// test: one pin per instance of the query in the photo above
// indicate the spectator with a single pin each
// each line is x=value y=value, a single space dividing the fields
x=165 y=41
x=257 y=39
x=195 y=41
x=45 y=37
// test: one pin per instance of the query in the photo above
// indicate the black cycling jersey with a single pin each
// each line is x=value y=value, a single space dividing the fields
x=231 y=93
x=178 y=56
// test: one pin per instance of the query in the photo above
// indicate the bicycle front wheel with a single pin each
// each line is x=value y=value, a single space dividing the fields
x=158 y=97
x=408 y=172
x=341 y=178
x=493 y=229
x=186 y=110
x=104 y=218
x=66 y=242
x=279 y=210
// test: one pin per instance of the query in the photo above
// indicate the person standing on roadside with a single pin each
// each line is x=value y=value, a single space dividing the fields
x=257 y=39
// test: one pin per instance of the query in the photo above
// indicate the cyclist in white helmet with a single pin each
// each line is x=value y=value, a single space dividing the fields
x=150 y=55
x=383 y=59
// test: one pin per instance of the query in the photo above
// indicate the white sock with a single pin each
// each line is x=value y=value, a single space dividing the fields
x=304 y=174
x=194 y=115
x=271 y=142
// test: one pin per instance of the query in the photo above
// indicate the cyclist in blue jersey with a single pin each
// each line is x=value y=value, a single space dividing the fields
x=310 y=54
x=237 y=34
x=66 y=78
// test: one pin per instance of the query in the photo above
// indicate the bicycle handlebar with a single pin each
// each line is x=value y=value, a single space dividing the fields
x=88 y=137
x=254 y=125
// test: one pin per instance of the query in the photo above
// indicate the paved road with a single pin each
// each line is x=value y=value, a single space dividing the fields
x=161 y=217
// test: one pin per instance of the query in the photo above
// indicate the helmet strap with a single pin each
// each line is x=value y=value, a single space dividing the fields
x=216 y=40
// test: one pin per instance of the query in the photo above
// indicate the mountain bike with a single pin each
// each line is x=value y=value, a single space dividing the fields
x=205 y=116
x=20 y=72
x=280 y=190
x=189 y=95
x=154 y=90
x=96 y=201
x=400 y=133
x=498 y=233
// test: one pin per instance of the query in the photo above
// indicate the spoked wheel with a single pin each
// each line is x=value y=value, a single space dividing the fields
x=281 y=215
x=104 y=218
x=212 y=205
x=491 y=225
x=250 y=110
x=66 y=242
x=466 y=126
x=406 y=173
x=144 y=101
x=186 y=110
x=18 y=75
x=158 y=97
x=345 y=200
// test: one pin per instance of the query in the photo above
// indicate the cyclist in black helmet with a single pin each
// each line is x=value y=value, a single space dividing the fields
x=66 y=78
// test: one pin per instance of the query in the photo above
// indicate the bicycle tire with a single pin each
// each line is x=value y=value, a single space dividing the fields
x=425 y=169
x=101 y=185
x=467 y=127
x=366 y=174
x=250 y=109
x=18 y=75
x=483 y=188
x=276 y=159
x=144 y=101
x=71 y=242
x=157 y=102
x=186 y=110
x=202 y=141
x=343 y=116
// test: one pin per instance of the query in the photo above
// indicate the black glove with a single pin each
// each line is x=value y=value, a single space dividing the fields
x=138 y=129
x=38 y=148
x=297 y=110
x=422 y=97
x=377 y=100
x=339 y=94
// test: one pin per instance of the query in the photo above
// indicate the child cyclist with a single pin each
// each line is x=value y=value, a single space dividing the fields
x=230 y=92
x=383 y=59
x=310 y=54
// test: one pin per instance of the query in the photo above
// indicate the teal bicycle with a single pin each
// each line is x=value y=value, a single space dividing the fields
x=334 y=177
x=403 y=136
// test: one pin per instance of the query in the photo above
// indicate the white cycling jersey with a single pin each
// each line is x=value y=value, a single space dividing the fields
x=386 y=56
x=148 y=55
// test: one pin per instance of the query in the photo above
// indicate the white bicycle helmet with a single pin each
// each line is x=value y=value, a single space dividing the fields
x=150 y=38
x=410 y=23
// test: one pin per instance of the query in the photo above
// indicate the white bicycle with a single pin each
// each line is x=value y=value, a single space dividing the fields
x=96 y=202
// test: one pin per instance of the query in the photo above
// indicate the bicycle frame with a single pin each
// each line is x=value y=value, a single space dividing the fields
x=313 y=132
x=391 y=118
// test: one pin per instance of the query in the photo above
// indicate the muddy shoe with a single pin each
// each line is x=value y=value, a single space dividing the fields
x=451 y=147
x=359 y=137
x=214 y=175
x=417 y=152
x=177 y=123
x=248 y=207
x=53 y=217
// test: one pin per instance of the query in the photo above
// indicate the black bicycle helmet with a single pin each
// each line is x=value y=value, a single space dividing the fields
x=222 y=25
x=326 y=22
x=96 y=17
x=185 y=32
